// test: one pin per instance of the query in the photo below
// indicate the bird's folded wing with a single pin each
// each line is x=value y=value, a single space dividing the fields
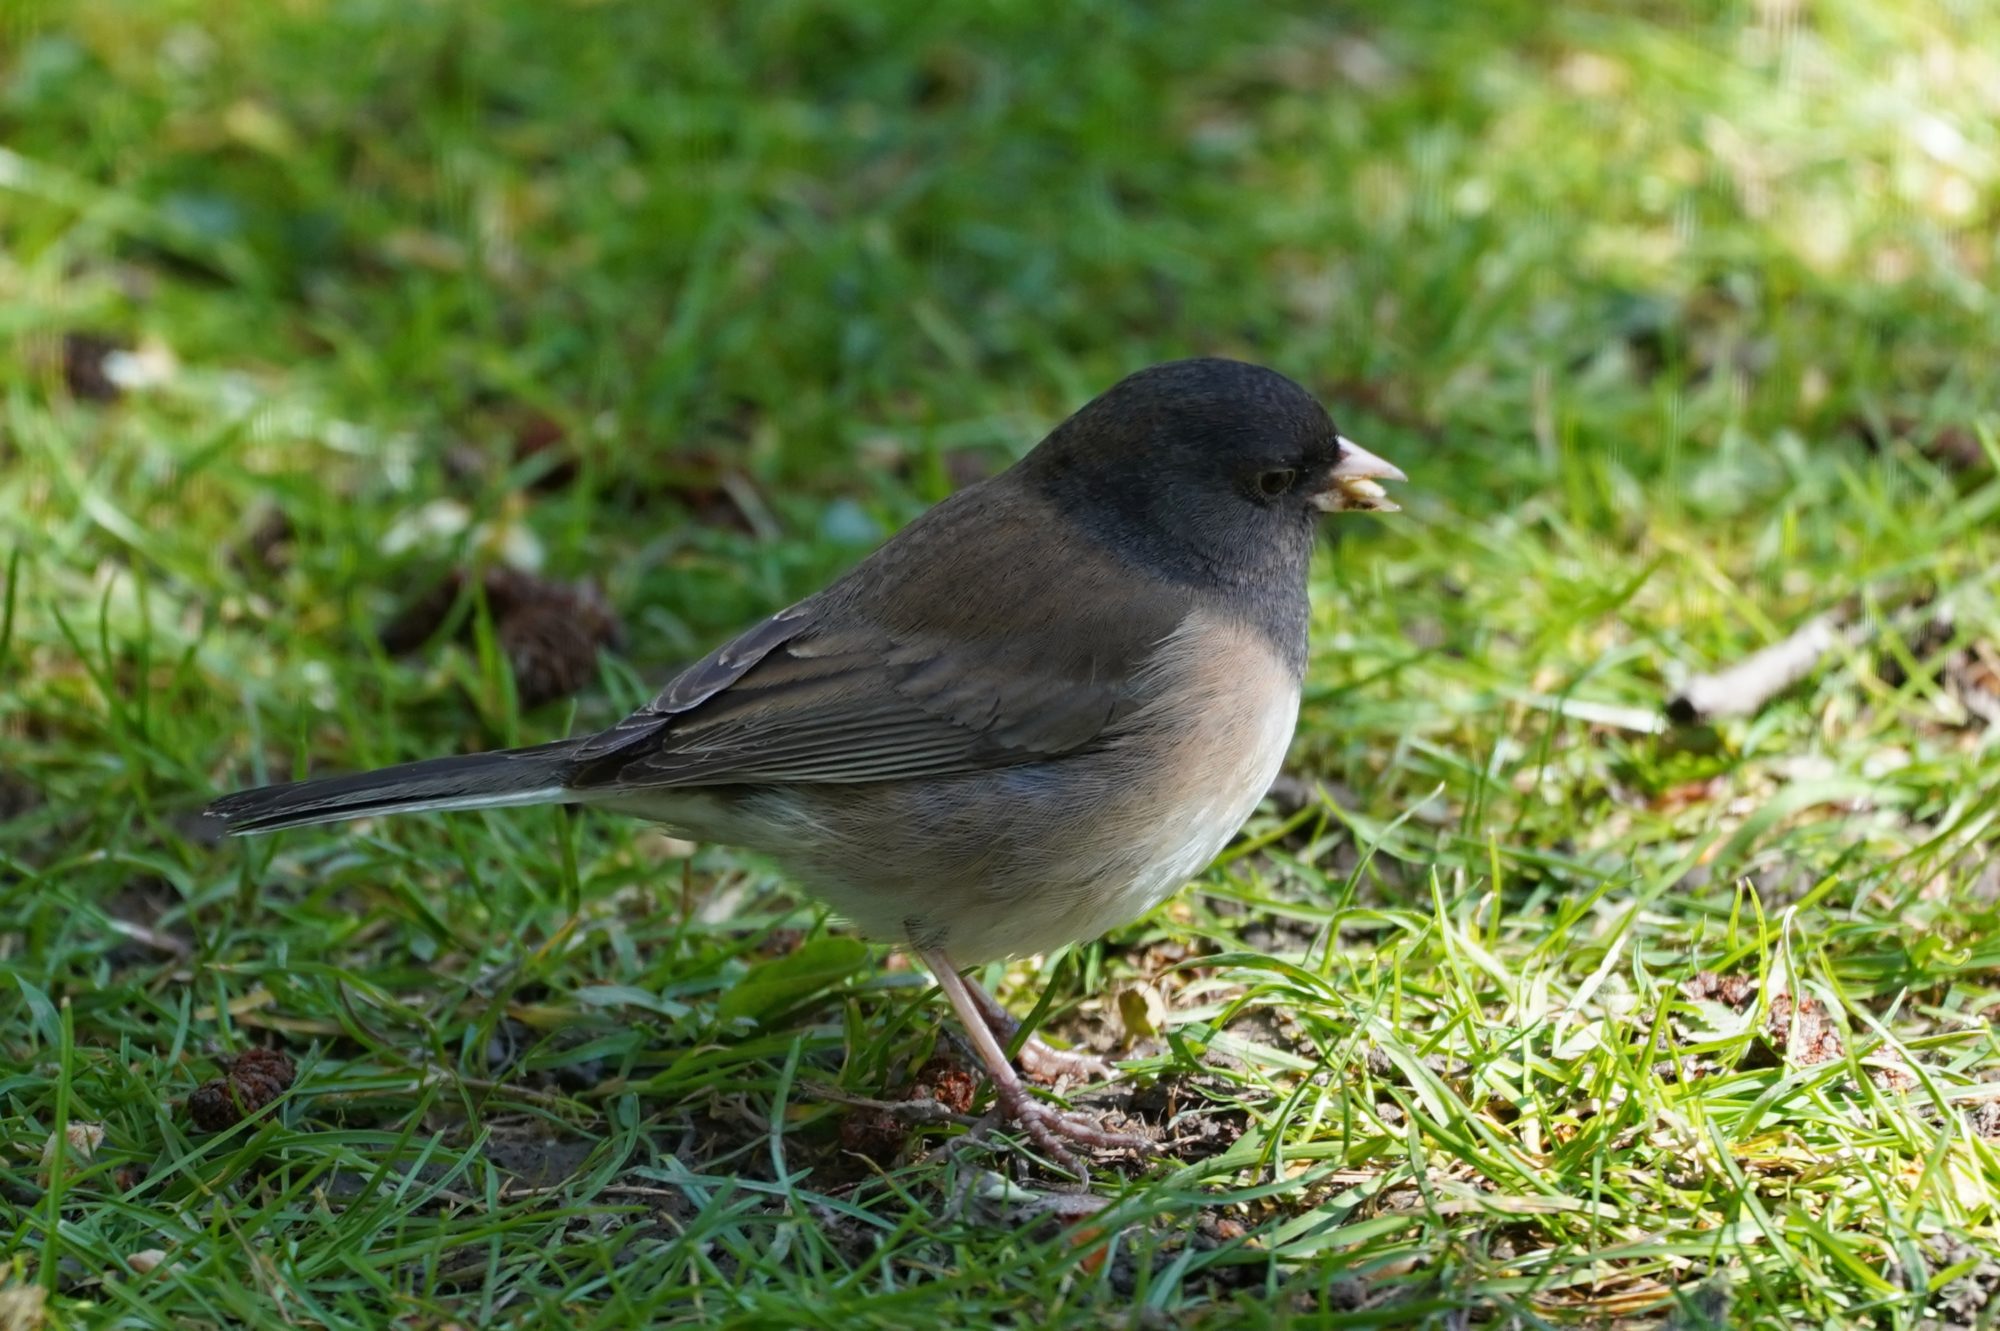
x=939 y=663
x=855 y=702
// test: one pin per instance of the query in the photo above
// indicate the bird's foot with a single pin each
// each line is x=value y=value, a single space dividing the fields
x=987 y=1026
x=1044 y=1062
x=1053 y=1130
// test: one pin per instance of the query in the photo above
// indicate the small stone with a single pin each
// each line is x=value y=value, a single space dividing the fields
x=147 y=1260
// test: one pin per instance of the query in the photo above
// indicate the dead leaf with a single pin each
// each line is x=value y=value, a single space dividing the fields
x=82 y=1140
x=1733 y=990
x=1802 y=1031
x=1142 y=1013
x=21 y=1307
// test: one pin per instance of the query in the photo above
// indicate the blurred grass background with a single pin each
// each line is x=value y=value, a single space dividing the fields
x=1681 y=317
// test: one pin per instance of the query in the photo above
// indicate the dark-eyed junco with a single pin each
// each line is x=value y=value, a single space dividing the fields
x=1031 y=716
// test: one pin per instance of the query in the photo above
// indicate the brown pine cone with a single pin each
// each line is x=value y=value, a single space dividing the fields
x=550 y=631
x=552 y=649
x=249 y=1087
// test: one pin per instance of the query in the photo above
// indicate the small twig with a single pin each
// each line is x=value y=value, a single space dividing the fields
x=635 y=1190
x=1753 y=682
x=178 y=948
x=1010 y=1201
x=924 y=1110
x=1746 y=686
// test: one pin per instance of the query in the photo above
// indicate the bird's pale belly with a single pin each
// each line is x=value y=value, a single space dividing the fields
x=1024 y=859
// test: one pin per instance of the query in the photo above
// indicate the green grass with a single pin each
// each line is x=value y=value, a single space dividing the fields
x=1619 y=286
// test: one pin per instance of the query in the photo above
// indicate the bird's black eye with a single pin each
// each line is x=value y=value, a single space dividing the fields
x=1271 y=484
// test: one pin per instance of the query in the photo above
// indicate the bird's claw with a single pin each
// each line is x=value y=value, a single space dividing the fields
x=1053 y=1130
x=1044 y=1062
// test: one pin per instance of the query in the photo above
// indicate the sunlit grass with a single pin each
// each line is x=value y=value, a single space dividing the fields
x=1628 y=300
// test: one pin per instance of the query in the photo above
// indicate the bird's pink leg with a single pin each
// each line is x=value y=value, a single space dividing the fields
x=1046 y=1125
x=1038 y=1058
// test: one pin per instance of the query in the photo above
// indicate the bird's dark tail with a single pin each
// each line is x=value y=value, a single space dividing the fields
x=473 y=781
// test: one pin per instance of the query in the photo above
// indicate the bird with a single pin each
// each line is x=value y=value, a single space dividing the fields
x=1030 y=716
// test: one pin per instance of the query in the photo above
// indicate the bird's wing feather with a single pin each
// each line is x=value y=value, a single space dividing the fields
x=929 y=659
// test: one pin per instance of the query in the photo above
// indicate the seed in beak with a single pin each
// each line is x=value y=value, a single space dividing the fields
x=1351 y=482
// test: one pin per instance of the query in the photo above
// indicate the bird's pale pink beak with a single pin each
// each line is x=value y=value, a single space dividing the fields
x=1351 y=482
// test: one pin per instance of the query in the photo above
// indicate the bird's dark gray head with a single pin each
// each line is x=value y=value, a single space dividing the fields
x=1212 y=471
